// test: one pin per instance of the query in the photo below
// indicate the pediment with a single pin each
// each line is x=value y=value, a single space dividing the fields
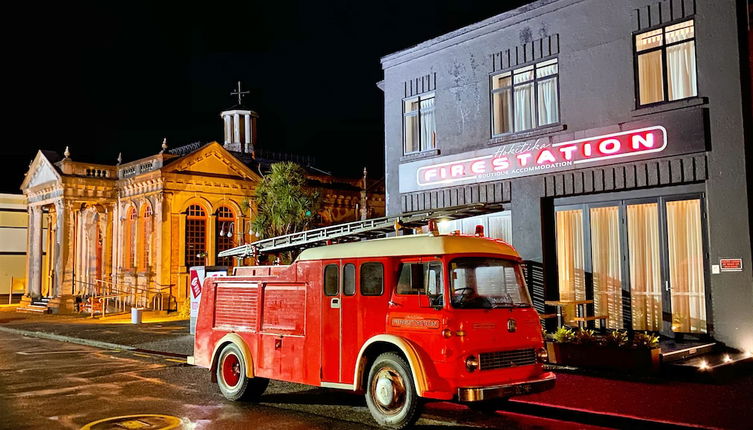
x=41 y=171
x=212 y=160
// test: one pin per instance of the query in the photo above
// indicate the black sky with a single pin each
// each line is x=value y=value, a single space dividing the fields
x=110 y=77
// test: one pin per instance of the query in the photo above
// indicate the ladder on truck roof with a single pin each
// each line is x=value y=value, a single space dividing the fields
x=357 y=230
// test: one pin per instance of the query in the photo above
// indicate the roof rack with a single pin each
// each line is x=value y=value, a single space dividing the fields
x=357 y=230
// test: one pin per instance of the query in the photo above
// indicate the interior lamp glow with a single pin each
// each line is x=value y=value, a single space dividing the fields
x=727 y=358
x=704 y=365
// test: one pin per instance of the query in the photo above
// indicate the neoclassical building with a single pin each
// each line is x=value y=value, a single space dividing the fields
x=135 y=228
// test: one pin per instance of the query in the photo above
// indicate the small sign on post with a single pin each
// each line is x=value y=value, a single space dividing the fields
x=731 y=264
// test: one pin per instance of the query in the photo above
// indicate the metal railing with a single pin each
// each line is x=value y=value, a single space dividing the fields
x=103 y=296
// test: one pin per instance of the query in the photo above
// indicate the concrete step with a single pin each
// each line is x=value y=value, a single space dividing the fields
x=687 y=352
x=33 y=309
x=719 y=365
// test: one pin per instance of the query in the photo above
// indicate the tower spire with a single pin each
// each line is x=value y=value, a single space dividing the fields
x=239 y=93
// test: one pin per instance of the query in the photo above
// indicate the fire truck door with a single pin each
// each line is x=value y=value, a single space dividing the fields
x=339 y=322
x=331 y=319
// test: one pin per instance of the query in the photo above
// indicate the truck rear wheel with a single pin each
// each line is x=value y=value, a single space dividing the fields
x=231 y=376
x=390 y=394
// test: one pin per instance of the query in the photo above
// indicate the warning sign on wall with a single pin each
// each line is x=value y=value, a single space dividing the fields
x=731 y=264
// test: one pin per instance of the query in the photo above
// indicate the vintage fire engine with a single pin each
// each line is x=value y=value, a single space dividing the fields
x=399 y=319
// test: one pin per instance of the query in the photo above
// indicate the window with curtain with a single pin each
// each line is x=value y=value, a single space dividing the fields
x=196 y=235
x=420 y=131
x=147 y=227
x=525 y=98
x=225 y=234
x=686 y=278
x=570 y=258
x=605 y=261
x=131 y=234
x=645 y=266
x=666 y=65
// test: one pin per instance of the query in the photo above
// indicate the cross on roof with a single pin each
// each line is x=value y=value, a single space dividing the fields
x=239 y=93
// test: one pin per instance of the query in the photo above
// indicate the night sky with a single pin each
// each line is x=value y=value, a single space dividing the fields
x=112 y=77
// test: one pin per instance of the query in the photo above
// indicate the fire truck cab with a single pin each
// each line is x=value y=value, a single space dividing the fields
x=399 y=319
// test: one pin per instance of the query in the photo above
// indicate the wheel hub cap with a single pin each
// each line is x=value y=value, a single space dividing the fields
x=385 y=392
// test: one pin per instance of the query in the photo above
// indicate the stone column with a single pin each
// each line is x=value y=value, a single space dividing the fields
x=211 y=240
x=34 y=254
x=228 y=128
x=63 y=267
x=247 y=136
x=236 y=128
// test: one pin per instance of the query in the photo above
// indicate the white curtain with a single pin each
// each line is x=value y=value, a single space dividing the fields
x=548 y=105
x=428 y=126
x=686 y=278
x=681 y=76
x=524 y=102
x=570 y=261
x=606 y=258
x=502 y=112
x=645 y=268
x=650 y=78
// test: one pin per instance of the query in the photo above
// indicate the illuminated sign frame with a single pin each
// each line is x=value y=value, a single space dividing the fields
x=545 y=158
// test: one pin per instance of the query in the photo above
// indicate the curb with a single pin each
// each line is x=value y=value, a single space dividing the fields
x=87 y=342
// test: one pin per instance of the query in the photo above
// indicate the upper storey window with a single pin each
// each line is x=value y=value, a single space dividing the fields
x=419 y=125
x=525 y=98
x=666 y=63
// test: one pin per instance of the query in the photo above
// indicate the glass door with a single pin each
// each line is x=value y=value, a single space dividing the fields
x=685 y=266
x=606 y=263
x=644 y=264
x=641 y=261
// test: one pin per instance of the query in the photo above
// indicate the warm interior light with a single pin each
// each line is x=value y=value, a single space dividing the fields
x=748 y=354
x=727 y=358
x=704 y=365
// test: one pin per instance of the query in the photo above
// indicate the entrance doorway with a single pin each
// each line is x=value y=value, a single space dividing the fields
x=640 y=261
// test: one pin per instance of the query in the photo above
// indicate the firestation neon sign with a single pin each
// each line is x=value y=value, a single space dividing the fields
x=552 y=157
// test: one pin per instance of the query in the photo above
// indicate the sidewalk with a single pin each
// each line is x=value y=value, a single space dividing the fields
x=157 y=333
x=623 y=403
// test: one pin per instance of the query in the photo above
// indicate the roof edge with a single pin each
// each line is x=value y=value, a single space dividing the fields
x=462 y=34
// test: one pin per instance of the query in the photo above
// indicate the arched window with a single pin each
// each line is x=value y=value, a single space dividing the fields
x=196 y=236
x=130 y=238
x=147 y=227
x=225 y=231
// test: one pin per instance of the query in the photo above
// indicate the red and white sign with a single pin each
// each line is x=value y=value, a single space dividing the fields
x=731 y=264
x=547 y=157
x=195 y=284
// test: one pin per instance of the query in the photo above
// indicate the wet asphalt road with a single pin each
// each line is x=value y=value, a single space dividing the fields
x=46 y=384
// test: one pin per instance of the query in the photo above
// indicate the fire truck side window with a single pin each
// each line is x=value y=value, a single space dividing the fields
x=330 y=280
x=372 y=279
x=411 y=280
x=349 y=279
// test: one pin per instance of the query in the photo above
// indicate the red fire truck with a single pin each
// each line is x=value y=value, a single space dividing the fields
x=399 y=319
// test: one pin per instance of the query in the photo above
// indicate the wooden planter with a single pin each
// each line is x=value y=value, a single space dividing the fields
x=635 y=360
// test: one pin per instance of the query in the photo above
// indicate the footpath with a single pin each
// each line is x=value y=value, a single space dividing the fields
x=612 y=401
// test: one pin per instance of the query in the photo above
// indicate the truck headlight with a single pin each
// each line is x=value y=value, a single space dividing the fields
x=542 y=356
x=471 y=363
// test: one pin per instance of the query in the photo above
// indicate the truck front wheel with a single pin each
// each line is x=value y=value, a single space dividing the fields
x=231 y=376
x=391 y=395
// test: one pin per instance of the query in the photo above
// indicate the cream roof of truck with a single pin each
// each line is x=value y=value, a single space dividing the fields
x=424 y=244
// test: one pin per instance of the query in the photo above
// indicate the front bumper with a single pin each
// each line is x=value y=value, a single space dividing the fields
x=477 y=394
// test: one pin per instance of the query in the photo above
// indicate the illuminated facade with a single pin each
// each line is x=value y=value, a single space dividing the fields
x=135 y=228
x=617 y=150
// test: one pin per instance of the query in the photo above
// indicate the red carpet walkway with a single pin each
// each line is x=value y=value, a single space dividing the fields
x=724 y=406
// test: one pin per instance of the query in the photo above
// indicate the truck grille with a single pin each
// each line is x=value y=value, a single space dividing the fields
x=502 y=359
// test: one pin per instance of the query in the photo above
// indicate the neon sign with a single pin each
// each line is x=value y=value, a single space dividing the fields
x=545 y=158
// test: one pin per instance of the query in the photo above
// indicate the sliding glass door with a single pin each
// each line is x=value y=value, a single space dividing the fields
x=640 y=261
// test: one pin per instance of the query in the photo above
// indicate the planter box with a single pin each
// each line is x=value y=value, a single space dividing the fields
x=636 y=360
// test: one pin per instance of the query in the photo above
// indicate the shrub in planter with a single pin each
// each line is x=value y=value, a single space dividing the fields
x=613 y=351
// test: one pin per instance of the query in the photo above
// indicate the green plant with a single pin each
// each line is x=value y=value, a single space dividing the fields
x=618 y=338
x=563 y=335
x=586 y=337
x=645 y=340
x=284 y=201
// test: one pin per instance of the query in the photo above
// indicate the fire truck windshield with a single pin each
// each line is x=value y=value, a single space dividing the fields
x=487 y=283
